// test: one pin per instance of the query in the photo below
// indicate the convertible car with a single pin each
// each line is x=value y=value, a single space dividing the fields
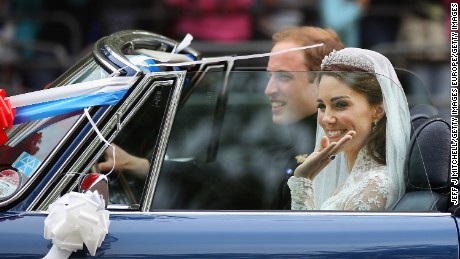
x=216 y=164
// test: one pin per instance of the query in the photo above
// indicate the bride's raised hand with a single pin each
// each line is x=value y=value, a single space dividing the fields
x=317 y=160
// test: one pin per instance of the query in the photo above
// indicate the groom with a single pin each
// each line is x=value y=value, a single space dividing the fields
x=292 y=92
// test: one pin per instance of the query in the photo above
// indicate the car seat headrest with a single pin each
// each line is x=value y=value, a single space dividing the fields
x=428 y=160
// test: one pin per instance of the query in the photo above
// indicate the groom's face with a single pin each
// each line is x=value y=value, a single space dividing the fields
x=292 y=94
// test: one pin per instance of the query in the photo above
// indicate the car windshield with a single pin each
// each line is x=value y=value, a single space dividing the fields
x=31 y=143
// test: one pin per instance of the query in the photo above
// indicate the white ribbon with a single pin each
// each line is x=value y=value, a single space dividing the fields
x=168 y=56
x=76 y=219
x=67 y=91
x=231 y=58
x=183 y=44
x=101 y=137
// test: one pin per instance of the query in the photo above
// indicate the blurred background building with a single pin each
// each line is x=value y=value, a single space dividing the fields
x=40 y=39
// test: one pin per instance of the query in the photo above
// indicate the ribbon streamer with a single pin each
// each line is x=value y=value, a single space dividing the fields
x=76 y=219
x=233 y=58
x=54 y=101
x=101 y=137
x=6 y=116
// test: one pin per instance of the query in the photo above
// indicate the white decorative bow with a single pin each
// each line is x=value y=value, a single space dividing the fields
x=76 y=219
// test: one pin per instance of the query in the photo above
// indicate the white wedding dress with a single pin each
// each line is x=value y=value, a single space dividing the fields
x=367 y=187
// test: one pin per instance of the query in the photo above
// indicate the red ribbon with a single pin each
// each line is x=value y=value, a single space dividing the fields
x=6 y=116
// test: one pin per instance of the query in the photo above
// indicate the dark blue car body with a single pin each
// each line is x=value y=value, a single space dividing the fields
x=252 y=234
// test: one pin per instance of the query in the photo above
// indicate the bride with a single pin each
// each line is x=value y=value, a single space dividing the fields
x=362 y=138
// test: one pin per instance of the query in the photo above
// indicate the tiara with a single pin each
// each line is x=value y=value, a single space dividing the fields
x=344 y=58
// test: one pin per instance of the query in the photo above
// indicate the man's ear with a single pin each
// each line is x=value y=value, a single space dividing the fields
x=379 y=112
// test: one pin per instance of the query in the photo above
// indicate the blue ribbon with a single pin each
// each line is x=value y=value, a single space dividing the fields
x=61 y=106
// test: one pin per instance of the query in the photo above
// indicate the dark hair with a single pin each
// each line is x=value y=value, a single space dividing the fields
x=367 y=84
x=309 y=35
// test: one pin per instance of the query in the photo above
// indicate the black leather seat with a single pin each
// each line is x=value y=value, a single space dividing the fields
x=427 y=168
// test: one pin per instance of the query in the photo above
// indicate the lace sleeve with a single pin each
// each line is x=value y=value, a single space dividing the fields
x=372 y=197
x=302 y=193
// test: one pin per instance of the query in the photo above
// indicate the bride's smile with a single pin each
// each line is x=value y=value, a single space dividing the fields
x=342 y=109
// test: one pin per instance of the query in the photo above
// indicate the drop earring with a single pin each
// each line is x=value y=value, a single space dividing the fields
x=374 y=127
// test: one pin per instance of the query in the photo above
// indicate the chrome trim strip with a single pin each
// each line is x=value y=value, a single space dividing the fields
x=121 y=41
x=99 y=56
x=270 y=213
x=289 y=213
x=163 y=141
x=119 y=56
